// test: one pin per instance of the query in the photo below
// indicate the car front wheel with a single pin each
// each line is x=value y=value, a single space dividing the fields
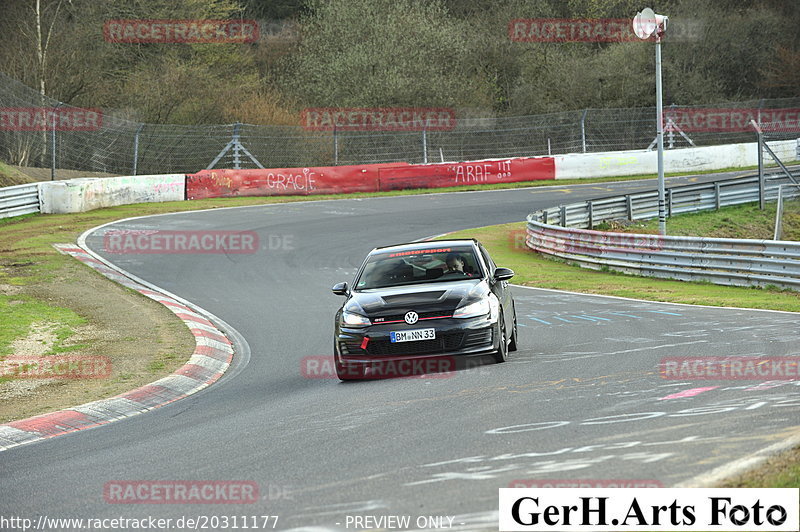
x=502 y=349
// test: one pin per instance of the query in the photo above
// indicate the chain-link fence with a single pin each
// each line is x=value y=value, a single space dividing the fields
x=124 y=147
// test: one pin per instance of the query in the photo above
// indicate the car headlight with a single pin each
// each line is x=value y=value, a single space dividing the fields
x=490 y=306
x=354 y=320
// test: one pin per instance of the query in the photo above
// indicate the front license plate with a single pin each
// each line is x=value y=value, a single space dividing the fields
x=413 y=335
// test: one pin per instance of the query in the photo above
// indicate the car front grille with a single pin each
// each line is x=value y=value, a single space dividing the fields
x=443 y=342
x=422 y=316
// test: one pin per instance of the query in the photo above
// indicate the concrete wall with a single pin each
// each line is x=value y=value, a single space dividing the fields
x=86 y=194
x=637 y=162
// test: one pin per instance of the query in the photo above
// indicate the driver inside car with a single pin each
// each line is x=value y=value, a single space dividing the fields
x=455 y=264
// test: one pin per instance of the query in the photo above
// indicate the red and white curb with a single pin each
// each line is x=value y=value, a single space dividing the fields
x=211 y=358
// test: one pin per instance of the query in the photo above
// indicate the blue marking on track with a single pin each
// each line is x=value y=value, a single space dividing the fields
x=537 y=319
x=562 y=319
x=628 y=315
x=663 y=312
x=582 y=318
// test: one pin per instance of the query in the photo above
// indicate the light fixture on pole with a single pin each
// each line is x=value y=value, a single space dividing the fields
x=645 y=24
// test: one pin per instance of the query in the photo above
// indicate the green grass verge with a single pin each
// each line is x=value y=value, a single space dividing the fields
x=19 y=313
x=740 y=221
x=506 y=243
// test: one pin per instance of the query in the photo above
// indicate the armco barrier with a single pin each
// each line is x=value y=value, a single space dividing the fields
x=86 y=194
x=740 y=262
x=19 y=200
x=364 y=178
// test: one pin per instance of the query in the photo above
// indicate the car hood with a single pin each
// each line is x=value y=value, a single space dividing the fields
x=428 y=297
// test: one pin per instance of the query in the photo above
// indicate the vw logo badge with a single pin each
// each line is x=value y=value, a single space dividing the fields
x=411 y=317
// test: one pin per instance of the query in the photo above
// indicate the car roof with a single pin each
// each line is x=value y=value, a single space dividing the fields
x=431 y=244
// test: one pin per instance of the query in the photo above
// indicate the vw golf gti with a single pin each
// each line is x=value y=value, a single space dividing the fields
x=422 y=302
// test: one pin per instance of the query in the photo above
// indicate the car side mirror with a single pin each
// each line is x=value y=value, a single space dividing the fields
x=340 y=289
x=503 y=274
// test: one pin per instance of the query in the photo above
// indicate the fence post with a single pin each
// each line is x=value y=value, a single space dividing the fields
x=716 y=195
x=563 y=215
x=424 y=146
x=760 y=136
x=583 y=129
x=136 y=148
x=53 y=144
x=629 y=207
x=335 y=146
x=778 y=234
x=237 y=162
x=590 y=212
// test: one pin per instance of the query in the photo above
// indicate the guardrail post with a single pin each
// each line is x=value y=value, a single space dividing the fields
x=544 y=216
x=563 y=215
x=669 y=203
x=716 y=195
x=590 y=212
x=629 y=206
x=424 y=146
x=779 y=215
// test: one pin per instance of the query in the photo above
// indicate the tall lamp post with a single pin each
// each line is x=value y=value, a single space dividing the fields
x=645 y=24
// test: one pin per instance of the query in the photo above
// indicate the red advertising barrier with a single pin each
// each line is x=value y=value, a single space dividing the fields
x=466 y=173
x=363 y=178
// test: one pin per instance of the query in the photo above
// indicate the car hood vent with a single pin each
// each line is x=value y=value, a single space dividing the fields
x=417 y=297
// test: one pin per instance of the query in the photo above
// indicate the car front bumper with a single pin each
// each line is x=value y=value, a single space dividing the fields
x=454 y=337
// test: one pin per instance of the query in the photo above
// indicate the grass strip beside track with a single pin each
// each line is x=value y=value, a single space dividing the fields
x=739 y=221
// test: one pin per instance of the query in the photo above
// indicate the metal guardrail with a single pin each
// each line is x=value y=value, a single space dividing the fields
x=740 y=262
x=19 y=199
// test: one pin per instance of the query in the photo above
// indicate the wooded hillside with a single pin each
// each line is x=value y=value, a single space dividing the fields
x=394 y=53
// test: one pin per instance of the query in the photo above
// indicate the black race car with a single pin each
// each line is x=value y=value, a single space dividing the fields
x=412 y=304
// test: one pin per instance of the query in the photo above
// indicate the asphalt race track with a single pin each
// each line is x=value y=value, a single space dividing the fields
x=581 y=399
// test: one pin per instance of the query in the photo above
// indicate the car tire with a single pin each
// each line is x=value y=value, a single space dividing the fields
x=512 y=344
x=501 y=355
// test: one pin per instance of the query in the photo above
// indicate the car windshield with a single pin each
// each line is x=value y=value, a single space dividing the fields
x=395 y=268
